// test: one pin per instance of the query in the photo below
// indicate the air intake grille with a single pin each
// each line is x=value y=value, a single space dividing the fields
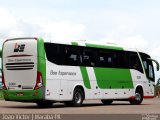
x=20 y=66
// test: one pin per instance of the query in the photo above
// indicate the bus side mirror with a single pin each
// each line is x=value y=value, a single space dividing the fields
x=155 y=62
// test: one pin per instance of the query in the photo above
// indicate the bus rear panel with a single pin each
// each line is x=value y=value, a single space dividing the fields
x=21 y=78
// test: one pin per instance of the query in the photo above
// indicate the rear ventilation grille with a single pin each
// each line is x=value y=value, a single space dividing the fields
x=20 y=66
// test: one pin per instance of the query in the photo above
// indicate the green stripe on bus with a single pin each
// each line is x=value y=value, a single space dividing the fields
x=103 y=46
x=41 y=59
x=85 y=77
x=84 y=72
x=75 y=43
x=113 y=78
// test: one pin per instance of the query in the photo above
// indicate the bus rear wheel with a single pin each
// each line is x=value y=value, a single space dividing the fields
x=78 y=97
x=138 y=98
x=107 y=102
x=44 y=104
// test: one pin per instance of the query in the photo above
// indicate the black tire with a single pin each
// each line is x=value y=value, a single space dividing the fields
x=44 y=104
x=78 y=97
x=107 y=102
x=138 y=98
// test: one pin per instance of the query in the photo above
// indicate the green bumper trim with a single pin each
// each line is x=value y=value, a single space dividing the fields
x=28 y=95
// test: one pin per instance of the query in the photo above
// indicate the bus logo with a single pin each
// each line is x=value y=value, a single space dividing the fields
x=19 y=48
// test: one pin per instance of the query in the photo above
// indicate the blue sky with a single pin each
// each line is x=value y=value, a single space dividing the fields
x=132 y=23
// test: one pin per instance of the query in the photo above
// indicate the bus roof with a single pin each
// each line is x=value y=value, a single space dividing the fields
x=95 y=45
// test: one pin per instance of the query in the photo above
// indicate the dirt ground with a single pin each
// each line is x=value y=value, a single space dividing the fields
x=149 y=106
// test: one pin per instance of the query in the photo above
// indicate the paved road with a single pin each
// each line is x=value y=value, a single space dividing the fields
x=149 y=106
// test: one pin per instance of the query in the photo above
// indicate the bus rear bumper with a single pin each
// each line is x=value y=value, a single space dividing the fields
x=23 y=95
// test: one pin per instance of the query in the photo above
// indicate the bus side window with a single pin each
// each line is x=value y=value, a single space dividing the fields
x=114 y=59
x=108 y=58
x=151 y=74
x=71 y=56
x=149 y=70
x=145 y=64
x=87 y=58
x=102 y=60
x=148 y=66
x=123 y=59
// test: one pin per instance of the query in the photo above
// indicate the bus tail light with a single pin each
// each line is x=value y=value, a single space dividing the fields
x=39 y=81
x=3 y=82
x=36 y=93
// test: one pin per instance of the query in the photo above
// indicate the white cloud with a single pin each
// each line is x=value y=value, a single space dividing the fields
x=155 y=52
x=9 y=25
x=135 y=42
x=12 y=27
x=63 y=31
x=7 y=20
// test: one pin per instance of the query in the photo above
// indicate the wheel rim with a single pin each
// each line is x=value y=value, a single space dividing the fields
x=78 y=97
x=138 y=97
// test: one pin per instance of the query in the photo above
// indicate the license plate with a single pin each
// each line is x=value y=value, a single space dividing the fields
x=20 y=94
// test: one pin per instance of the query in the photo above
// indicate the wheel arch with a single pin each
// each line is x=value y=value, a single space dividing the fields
x=139 y=87
x=80 y=86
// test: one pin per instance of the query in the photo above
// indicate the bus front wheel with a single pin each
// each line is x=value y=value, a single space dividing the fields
x=138 y=98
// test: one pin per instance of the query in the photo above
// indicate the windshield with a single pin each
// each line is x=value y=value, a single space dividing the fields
x=148 y=66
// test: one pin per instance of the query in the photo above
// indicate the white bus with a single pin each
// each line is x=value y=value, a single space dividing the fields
x=45 y=73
